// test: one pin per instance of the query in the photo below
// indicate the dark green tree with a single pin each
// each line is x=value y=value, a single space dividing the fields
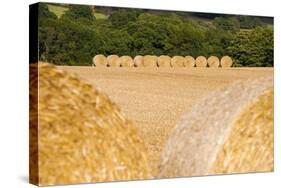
x=249 y=22
x=122 y=17
x=63 y=41
x=115 y=42
x=169 y=34
x=228 y=23
x=44 y=13
x=80 y=12
x=253 y=48
x=216 y=42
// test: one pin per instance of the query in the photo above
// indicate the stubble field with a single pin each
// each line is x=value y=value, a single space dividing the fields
x=155 y=99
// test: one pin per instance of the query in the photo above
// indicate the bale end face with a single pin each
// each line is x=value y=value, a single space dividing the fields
x=100 y=61
x=126 y=61
x=249 y=145
x=138 y=61
x=164 y=61
x=178 y=61
x=213 y=62
x=150 y=61
x=226 y=62
x=201 y=61
x=112 y=61
x=229 y=131
x=189 y=61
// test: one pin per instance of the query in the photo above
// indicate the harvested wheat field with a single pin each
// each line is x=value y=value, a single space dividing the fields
x=155 y=99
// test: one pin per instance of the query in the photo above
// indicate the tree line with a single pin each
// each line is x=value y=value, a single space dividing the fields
x=77 y=36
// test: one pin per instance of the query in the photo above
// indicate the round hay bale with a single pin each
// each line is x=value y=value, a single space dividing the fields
x=150 y=61
x=189 y=61
x=229 y=131
x=226 y=61
x=213 y=61
x=178 y=61
x=126 y=61
x=112 y=61
x=201 y=61
x=100 y=61
x=138 y=61
x=164 y=61
x=83 y=136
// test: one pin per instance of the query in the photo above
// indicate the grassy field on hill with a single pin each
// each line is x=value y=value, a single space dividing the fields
x=59 y=10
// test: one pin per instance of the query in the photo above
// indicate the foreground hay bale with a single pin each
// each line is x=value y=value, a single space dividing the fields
x=226 y=61
x=229 y=131
x=112 y=61
x=150 y=61
x=126 y=61
x=100 y=61
x=83 y=136
x=189 y=61
x=164 y=61
x=201 y=61
x=138 y=61
x=213 y=61
x=177 y=61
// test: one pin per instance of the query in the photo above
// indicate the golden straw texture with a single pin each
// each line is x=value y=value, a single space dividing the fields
x=112 y=61
x=83 y=136
x=254 y=125
x=150 y=61
x=201 y=61
x=213 y=61
x=138 y=61
x=229 y=131
x=177 y=61
x=189 y=61
x=126 y=61
x=100 y=61
x=226 y=61
x=33 y=124
x=164 y=61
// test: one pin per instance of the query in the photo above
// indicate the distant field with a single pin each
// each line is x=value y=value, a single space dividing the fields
x=57 y=10
x=60 y=10
x=155 y=99
x=100 y=16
